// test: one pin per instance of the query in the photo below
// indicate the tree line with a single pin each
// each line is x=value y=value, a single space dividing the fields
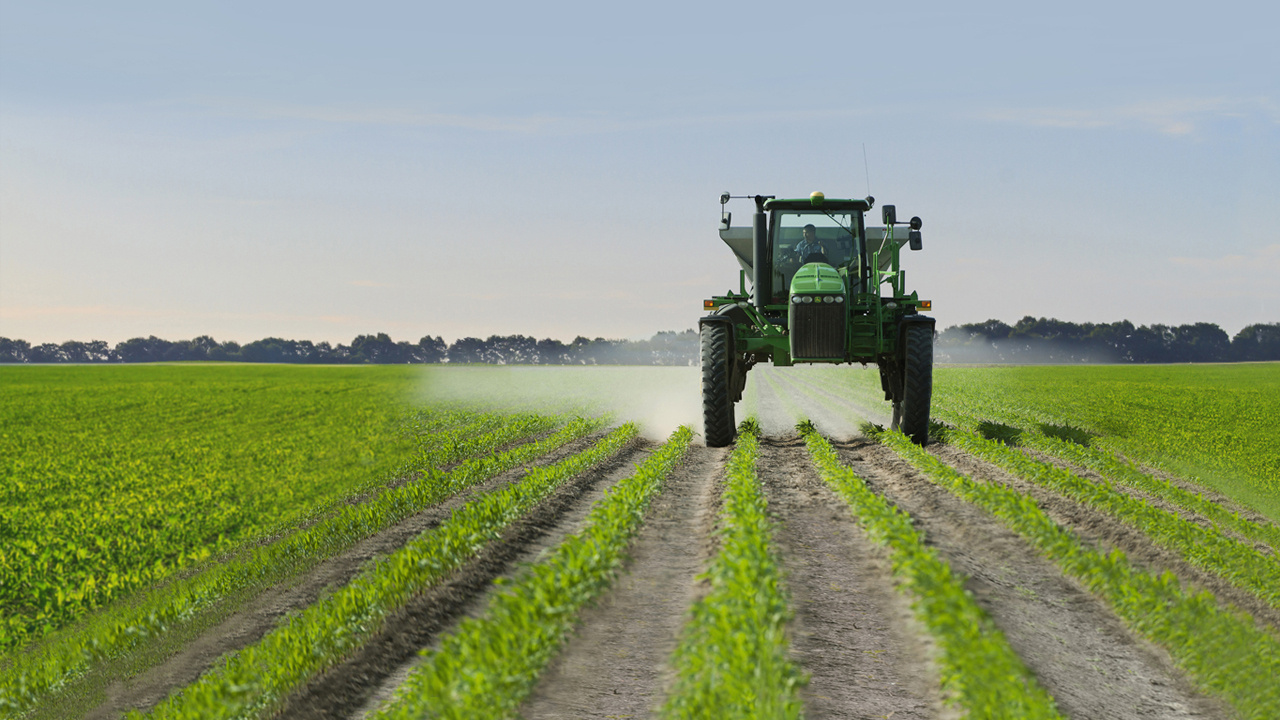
x=1046 y=340
x=1030 y=340
x=664 y=348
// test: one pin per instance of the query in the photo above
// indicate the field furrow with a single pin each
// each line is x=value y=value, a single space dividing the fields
x=128 y=638
x=1221 y=649
x=257 y=680
x=487 y=665
x=864 y=652
x=733 y=660
x=612 y=667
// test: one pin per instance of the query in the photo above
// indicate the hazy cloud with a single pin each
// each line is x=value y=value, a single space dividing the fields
x=516 y=124
x=1176 y=117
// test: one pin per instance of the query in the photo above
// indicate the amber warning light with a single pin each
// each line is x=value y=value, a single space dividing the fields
x=926 y=304
x=709 y=304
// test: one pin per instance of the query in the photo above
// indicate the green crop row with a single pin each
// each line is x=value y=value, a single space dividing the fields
x=488 y=665
x=1205 y=547
x=448 y=437
x=980 y=672
x=1213 y=424
x=48 y=669
x=732 y=661
x=1222 y=650
x=114 y=478
x=253 y=682
x=1120 y=470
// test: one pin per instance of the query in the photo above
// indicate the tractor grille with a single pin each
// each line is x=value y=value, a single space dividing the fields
x=817 y=330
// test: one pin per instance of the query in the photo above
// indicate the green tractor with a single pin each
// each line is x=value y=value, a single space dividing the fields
x=825 y=288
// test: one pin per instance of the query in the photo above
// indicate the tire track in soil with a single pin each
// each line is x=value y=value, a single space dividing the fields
x=614 y=666
x=357 y=686
x=1107 y=531
x=866 y=655
x=1078 y=649
x=259 y=615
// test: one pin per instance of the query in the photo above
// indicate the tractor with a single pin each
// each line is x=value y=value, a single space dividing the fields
x=824 y=288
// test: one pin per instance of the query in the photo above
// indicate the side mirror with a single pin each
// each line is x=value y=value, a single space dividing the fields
x=916 y=223
x=889 y=214
x=724 y=198
x=913 y=238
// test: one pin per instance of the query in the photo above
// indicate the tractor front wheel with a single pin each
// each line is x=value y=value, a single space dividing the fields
x=912 y=414
x=717 y=403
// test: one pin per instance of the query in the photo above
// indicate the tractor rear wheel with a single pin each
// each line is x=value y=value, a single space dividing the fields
x=717 y=403
x=917 y=390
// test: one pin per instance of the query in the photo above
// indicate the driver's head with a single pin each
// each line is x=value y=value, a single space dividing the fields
x=810 y=232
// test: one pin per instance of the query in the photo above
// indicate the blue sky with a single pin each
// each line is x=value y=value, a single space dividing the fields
x=318 y=171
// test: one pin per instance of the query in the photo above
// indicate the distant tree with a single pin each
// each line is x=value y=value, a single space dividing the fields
x=431 y=350
x=13 y=351
x=228 y=351
x=554 y=352
x=148 y=349
x=74 y=351
x=268 y=350
x=202 y=347
x=374 y=349
x=1254 y=342
x=46 y=353
x=466 y=350
x=1201 y=342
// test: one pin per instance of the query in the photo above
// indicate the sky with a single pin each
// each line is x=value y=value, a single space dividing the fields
x=318 y=171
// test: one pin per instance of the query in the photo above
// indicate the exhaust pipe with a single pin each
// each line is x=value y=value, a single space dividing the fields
x=761 y=259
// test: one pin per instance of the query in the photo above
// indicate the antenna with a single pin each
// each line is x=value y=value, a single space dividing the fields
x=867 y=167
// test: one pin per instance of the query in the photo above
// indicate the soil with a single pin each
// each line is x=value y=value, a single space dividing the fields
x=347 y=689
x=613 y=667
x=853 y=632
x=1079 y=651
x=1106 y=531
x=260 y=614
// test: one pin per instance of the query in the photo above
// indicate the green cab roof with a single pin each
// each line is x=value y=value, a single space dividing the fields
x=860 y=205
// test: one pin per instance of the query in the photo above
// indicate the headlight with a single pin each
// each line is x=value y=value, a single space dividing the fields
x=839 y=298
x=828 y=299
x=795 y=298
x=806 y=299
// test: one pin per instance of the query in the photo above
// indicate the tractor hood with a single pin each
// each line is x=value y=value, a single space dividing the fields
x=817 y=278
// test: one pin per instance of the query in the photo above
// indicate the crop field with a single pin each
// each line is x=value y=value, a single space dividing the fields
x=248 y=541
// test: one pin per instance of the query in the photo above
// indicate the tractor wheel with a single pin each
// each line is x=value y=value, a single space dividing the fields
x=917 y=383
x=717 y=404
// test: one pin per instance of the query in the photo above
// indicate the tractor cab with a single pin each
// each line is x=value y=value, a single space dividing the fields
x=837 y=234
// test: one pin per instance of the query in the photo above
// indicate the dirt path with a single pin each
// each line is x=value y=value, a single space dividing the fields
x=1105 y=530
x=852 y=632
x=1079 y=651
x=260 y=614
x=360 y=684
x=613 y=667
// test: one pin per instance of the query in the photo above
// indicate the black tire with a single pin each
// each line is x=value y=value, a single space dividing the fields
x=717 y=404
x=917 y=391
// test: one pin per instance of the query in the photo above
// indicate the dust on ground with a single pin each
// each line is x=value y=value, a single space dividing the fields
x=659 y=398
